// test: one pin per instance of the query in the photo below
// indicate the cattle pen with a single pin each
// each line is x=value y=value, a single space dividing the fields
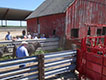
x=46 y=44
x=40 y=67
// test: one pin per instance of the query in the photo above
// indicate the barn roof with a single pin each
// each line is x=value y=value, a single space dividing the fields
x=49 y=7
x=13 y=14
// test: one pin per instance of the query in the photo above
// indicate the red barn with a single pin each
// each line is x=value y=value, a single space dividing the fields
x=49 y=18
x=86 y=17
x=70 y=18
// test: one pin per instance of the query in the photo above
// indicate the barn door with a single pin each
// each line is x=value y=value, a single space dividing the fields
x=38 y=23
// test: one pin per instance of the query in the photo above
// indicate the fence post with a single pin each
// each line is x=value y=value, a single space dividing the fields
x=41 y=67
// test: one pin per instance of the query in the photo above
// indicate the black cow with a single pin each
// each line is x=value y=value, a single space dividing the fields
x=3 y=50
x=31 y=47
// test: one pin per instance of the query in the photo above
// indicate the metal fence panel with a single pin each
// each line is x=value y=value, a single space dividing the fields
x=38 y=67
x=10 y=69
x=59 y=62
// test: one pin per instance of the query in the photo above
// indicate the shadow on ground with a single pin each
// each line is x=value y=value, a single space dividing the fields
x=65 y=76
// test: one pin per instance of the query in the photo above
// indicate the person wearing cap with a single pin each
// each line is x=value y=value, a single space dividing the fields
x=21 y=50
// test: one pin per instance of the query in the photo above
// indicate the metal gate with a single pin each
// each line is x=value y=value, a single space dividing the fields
x=91 y=58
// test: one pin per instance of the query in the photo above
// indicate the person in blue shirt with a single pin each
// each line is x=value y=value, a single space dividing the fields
x=8 y=36
x=43 y=36
x=22 y=52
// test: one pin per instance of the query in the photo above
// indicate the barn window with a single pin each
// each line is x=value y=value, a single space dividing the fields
x=37 y=20
x=104 y=31
x=54 y=32
x=89 y=31
x=74 y=33
x=99 y=31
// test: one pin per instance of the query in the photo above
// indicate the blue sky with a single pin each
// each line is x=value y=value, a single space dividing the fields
x=20 y=4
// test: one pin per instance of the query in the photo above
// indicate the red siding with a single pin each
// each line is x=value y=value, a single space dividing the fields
x=85 y=12
x=48 y=24
x=32 y=25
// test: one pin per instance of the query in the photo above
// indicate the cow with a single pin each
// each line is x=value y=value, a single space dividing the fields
x=3 y=50
x=31 y=47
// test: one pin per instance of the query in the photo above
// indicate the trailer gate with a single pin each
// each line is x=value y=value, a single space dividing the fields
x=91 y=59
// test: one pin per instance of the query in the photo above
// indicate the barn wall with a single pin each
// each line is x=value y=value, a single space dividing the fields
x=32 y=25
x=48 y=24
x=84 y=12
x=53 y=22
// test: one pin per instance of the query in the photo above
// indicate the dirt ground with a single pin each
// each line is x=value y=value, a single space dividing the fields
x=14 y=32
x=65 y=76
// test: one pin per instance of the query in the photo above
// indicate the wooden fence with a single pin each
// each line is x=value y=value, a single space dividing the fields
x=46 y=44
x=39 y=67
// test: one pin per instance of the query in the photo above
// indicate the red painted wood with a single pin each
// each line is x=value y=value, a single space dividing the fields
x=94 y=67
x=53 y=22
x=95 y=58
x=32 y=25
x=85 y=12
x=104 y=78
x=104 y=70
x=93 y=75
x=104 y=61
x=48 y=24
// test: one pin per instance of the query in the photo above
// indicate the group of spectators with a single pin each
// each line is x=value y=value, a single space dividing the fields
x=29 y=35
x=22 y=50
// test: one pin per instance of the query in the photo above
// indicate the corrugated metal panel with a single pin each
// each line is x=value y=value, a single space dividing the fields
x=85 y=11
x=56 y=63
x=11 y=70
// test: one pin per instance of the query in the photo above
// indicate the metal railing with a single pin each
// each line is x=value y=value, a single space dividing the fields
x=40 y=67
x=56 y=63
x=10 y=69
x=46 y=44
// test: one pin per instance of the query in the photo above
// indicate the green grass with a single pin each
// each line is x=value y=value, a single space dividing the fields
x=6 y=58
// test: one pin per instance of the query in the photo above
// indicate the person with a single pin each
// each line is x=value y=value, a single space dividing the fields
x=8 y=36
x=34 y=34
x=22 y=52
x=43 y=36
x=35 y=37
x=23 y=33
x=29 y=35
